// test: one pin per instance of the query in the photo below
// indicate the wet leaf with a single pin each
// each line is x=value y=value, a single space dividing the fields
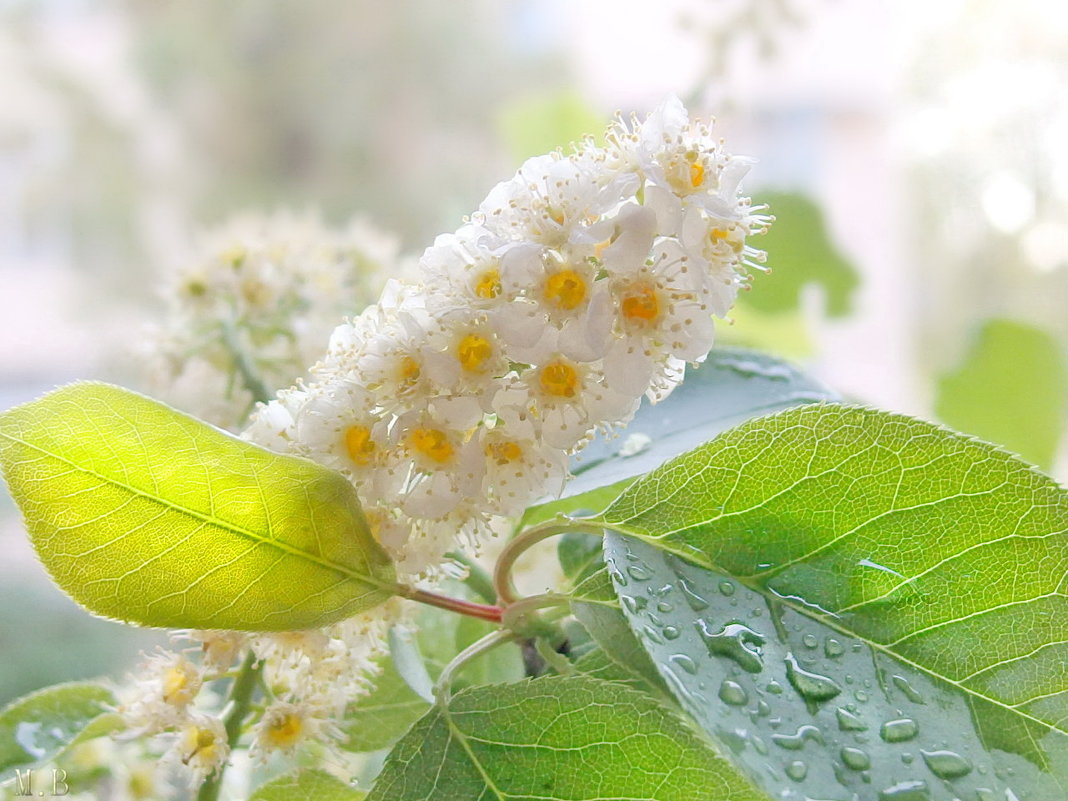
x=145 y=515
x=573 y=739
x=806 y=709
x=931 y=548
x=44 y=724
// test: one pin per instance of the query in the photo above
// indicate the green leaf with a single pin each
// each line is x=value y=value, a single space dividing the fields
x=1011 y=389
x=571 y=739
x=804 y=708
x=595 y=606
x=580 y=555
x=380 y=718
x=730 y=387
x=800 y=253
x=930 y=547
x=44 y=724
x=145 y=515
x=541 y=123
x=307 y=785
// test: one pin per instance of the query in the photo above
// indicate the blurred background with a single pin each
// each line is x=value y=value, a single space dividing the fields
x=915 y=154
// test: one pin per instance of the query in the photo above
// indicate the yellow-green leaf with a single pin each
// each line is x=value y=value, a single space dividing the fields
x=146 y=515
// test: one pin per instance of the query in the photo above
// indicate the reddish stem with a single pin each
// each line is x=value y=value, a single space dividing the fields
x=482 y=611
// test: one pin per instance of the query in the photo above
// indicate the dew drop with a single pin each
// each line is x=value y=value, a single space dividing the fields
x=731 y=692
x=899 y=731
x=796 y=741
x=733 y=642
x=670 y=633
x=833 y=648
x=652 y=635
x=855 y=759
x=910 y=692
x=908 y=757
x=664 y=607
x=810 y=641
x=984 y=794
x=684 y=662
x=946 y=764
x=639 y=572
x=847 y=721
x=774 y=688
x=695 y=601
x=759 y=745
x=811 y=686
x=861 y=696
x=618 y=578
x=28 y=736
x=762 y=708
x=726 y=588
x=797 y=770
x=906 y=791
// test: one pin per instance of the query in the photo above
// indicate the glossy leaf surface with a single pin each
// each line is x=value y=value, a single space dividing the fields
x=145 y=515
x=935 y=549
x=811 y=712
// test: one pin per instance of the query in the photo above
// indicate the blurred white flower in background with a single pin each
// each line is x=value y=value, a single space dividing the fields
x=255 y=305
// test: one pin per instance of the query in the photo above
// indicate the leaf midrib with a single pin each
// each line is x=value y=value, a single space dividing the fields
x=207 y=518
x=828 y=621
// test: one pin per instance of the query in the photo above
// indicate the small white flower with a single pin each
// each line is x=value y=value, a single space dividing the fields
x=162 y=692
x=200 y=747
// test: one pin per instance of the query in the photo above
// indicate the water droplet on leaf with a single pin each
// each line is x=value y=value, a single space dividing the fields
x=733 y=641
x=898 y=731
x=812 y=686
x=731 y=692
x=855 y=759
x=797 y=770
x=946 y=764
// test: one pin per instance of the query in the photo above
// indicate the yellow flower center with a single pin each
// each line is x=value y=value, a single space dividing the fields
x=284 y=730
x=488 y=285
x=641 y=304
x=179 y=688
x=565 y=289
x=359 y=445
x=559 y=379
x=504 y=452
x=201 y=744
x=697 y=172
x=473 y=352
x=432 y=443
x=409 y=371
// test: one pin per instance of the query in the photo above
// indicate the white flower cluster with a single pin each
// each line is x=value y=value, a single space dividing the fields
x=582 y=284
x=251 y=308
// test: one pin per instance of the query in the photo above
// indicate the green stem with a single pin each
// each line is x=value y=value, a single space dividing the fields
x=477 y=578
x=487 y=643
x=250 y=376
x=502 y=573
x=241 y=699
